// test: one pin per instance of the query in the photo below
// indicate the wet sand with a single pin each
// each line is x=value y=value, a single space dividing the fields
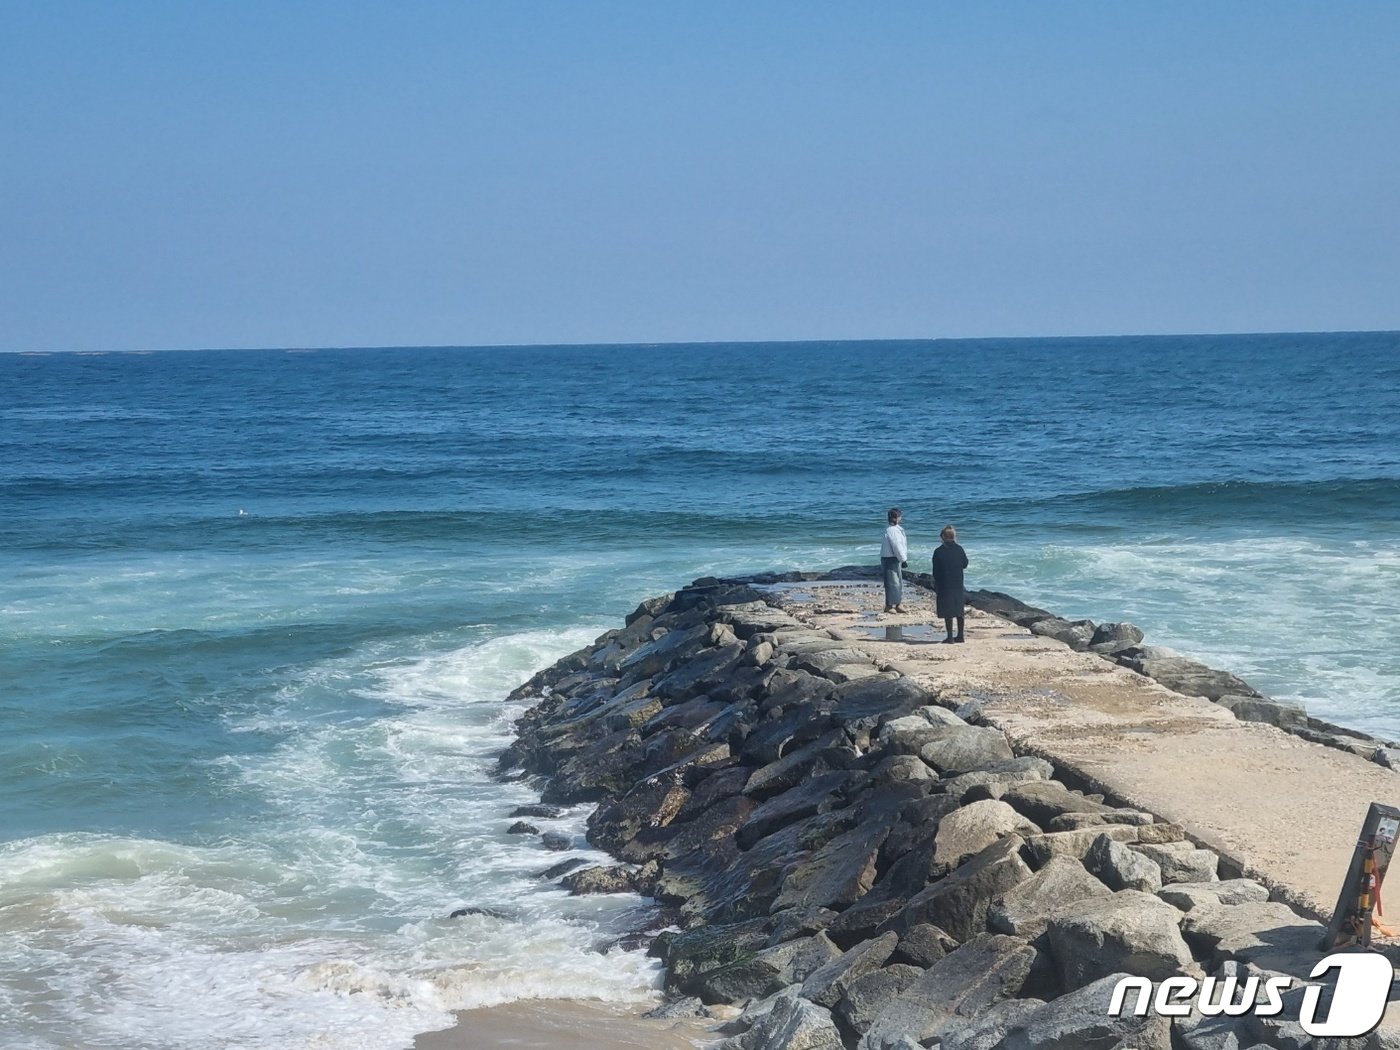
x=551 y=1024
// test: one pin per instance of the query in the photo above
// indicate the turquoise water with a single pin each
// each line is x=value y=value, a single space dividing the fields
x=259 y=610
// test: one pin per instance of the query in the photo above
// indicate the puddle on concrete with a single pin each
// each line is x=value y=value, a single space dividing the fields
x=901 y=632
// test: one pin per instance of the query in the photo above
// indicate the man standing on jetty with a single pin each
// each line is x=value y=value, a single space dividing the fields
x=949 y=561
x=894 y=555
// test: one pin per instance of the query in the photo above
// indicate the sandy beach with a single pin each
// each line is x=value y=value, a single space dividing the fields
x=547 y=1024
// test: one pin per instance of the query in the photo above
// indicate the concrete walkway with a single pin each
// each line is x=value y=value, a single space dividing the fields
x=1284 y=811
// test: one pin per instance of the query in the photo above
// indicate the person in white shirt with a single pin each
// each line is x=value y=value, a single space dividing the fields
x=894 y=556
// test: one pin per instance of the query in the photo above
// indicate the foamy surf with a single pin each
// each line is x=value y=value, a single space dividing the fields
x=327 y=926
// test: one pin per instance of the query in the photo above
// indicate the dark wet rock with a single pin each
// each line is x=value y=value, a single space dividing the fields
x=562 y=868
x=547 y=812
x=1116 y=634
x=918 y=823
x=690 y=678
x=692 y=714
x=794 y=767
x=796 y=960
x=923 y=945
x=490 y=913
x=657 y=656
x=1279 y=713
x=756 y=617
x=557 y=841
x=632 y=715
x=695 y=952
x=1074 y=633
x=602 y=879
x=678 y=838
x=958 y=749
x=901 y=768
x=1121 y=868
x=654 y=803
x=864 y=998
x=797 y=724
x=953 y=991
x=1007 y=607
x=751 y=978
x=792 y=925
x=1128 y=931
x=819 y=792
x=868 y=702
x=1026 y=909
x=522 y=828
x=906 y=735
x=836 y=875
x=739 y=686
x=959 y=901
x=822 y=986
x=1182 y=674
x=606 y=765
x=719 y=784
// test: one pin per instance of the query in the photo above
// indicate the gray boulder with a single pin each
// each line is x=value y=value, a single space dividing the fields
x=989 y=1030
x=1043 y=801
x=1080 y=1021
x=1120 y=635
x=923 y=946
x=1182 y=674
x=1074 y=633
x=1075 y=844
x=1180 y=865
x=960 y=748
x=1006 y=775
x=794 y=804
x=822 y=985
x=1188 y=896
x=838 y=874
x=864 y=998
x=956 y=989
x=971 y=829
x=1267 y=934
x=790 y=1023
x=959 y=901
x=1120 y=868
x=1128 y=932
x=1279 y=713
x=656 y=656
x=691 y=677
x=1025 y=911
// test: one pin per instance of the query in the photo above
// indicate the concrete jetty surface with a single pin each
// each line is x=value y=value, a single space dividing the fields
x=1284 y=810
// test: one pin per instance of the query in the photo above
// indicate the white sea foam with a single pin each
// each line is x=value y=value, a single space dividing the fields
x=325 y=924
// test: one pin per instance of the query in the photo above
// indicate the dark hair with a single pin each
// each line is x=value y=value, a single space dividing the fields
x=894 y=515
x=948 y=529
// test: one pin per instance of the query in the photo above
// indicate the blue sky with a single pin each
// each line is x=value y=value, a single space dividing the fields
x=178 y=175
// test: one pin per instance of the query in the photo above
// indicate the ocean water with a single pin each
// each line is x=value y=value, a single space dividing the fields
x=259 y=609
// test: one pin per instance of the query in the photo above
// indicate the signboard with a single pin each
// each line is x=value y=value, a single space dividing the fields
x=1360 y=898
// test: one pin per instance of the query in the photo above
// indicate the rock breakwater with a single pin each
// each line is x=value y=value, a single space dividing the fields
x=853 y=857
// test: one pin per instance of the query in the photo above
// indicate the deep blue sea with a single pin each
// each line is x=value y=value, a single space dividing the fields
x=258 y=611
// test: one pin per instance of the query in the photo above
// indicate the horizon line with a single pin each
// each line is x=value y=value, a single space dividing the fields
x=695 y=342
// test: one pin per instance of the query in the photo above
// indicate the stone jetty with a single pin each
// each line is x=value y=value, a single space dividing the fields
x=866 y=839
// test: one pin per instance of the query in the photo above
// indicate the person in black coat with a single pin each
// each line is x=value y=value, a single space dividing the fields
x=949 y=561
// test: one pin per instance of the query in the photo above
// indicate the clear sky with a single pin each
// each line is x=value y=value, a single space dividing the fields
x=195 y=174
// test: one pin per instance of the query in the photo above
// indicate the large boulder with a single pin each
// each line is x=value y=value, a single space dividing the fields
x=653 y=803
x=1128 y=932
x=971 y=829
x=863 y=999
x=1268 y=934
x=959 y=901
x=1178 y=864
x=693 y=676
x=988 y=1031
x=1081 y=1021
x=1074 y=633
x=960 y=748
x=1110 y=637
x=655 y=657
x=1120 y=868
x=816 y=793
x=1044 y=800
x=1026 y=909
x=838 y=874
x=1188 y=896
x=953 y=991
x=869 y=702
x=1181 y=674
x=823 y=985
x=1076 y=844
x=1279 y=713
x=790 y=1023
